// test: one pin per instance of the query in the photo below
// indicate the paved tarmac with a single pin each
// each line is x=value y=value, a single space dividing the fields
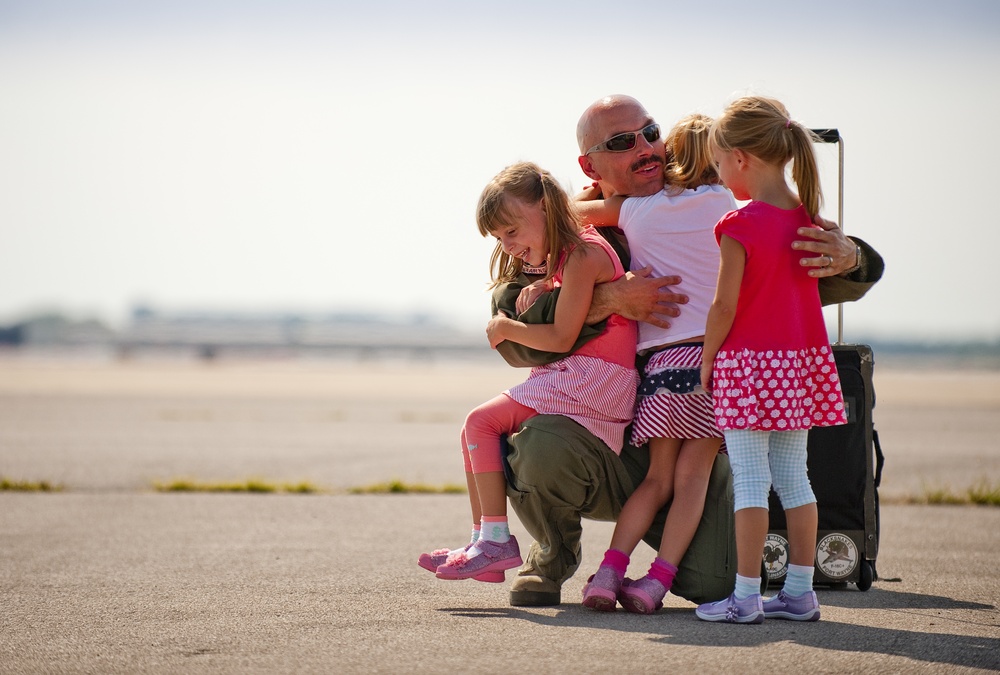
x=206 y=583
x=110 y=576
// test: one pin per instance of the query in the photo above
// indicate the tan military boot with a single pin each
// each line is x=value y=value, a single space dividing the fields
x=530 y=589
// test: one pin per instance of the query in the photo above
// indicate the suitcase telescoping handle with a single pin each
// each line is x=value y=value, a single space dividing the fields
x=827 y=135
x=833 y=136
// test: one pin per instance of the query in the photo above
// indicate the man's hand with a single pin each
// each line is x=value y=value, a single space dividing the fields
x=639 y=297
x=836 y=252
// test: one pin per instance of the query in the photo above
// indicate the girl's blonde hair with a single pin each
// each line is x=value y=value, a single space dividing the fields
x=761 y=127
x=528 y=184
x=689 y=154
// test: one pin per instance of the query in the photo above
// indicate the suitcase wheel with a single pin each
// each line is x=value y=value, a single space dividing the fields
x=867 y=575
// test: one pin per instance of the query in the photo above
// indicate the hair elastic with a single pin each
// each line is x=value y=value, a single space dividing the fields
x=788 y=123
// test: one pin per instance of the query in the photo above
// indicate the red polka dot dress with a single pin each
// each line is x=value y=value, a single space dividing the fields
x=775 y=370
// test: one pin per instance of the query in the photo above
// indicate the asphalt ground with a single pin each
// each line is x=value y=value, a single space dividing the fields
x=110 y=576
x=130 y=583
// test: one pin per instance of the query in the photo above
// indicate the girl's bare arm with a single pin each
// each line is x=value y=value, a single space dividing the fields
x=585 y=267
x=723 y=310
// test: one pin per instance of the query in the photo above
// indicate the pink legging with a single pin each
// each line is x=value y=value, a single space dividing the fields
x=483 y=428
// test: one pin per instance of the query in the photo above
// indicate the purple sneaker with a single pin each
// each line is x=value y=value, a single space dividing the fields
x=433 y=560
x=644 y=596
x=731 y=610
x=601 y=590
x=803 y=607
x=495 y=557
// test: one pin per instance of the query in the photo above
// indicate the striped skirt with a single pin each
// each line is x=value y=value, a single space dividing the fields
x=671 y=402
x=597 y=394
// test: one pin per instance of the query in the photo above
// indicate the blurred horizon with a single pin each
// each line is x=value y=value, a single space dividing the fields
x=315 y=157
x=153 y=328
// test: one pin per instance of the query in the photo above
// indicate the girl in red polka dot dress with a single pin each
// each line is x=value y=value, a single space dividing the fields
x=767 y=359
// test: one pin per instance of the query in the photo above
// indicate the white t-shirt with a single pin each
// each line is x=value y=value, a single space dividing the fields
x=673 y=234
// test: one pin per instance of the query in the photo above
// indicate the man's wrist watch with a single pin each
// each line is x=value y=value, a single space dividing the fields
x=857 y=261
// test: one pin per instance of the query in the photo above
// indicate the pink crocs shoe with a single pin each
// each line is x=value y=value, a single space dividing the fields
x=644 y=596
x=495 y=558
x=601 y=590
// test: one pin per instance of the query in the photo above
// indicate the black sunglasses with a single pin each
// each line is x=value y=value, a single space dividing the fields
x=626 y=141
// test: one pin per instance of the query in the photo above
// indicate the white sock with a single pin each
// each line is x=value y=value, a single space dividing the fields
x=799 y=580
x=746 y=586
x=494 y=530
x=473 y=540
x=490 y=530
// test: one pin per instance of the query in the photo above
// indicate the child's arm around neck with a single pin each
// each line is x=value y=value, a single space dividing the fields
x=585 y=267
x=601 y=212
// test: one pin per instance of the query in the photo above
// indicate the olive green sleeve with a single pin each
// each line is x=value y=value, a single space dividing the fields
x=837 y=289
x=542 y=311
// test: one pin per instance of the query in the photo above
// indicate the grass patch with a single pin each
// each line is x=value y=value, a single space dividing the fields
x=6 y=484
x=982 y=493
x=259 y=486
x=985 y=494
x=252 y=485
x=399 y=487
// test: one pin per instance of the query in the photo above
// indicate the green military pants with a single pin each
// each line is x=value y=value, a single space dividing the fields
x=559 y=473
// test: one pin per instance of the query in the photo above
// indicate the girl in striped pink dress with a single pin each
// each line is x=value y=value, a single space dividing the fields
x=536 y=223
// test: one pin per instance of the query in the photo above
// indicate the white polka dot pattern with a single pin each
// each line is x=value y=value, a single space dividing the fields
x=777 y=390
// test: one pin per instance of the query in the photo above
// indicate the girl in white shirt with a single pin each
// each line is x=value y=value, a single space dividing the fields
x=671 y=232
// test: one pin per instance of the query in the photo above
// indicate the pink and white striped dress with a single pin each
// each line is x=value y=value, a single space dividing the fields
x=596 y=385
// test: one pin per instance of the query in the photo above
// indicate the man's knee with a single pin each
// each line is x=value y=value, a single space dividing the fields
x=549 y=447
x=554 y=460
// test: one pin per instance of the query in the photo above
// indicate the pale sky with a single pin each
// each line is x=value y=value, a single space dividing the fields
x=317 y=156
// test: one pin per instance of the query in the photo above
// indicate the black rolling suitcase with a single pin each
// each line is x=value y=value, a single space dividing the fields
x=845 y=468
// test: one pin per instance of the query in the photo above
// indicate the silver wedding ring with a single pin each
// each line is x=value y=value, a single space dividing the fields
x=829 y=260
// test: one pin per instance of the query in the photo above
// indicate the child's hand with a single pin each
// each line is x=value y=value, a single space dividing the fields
x=706 y=377
x=589 y=193
x=495 y=329
x=530 y=293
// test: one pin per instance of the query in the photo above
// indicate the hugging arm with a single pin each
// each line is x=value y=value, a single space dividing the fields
x=846 y=266
x=639 y=297
x=600 y=212
x=585 y=267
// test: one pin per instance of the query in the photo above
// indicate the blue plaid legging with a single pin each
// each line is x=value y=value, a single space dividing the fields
x=762 y=458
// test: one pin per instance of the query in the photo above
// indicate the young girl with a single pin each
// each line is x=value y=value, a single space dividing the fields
x=535 y=222
x=671 y=232
x=767 y=359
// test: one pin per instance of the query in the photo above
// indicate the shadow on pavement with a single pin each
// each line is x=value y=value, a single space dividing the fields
x=679 y=626
x=879 y=598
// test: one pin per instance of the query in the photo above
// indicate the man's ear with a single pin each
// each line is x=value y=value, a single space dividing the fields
x=588 y=168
